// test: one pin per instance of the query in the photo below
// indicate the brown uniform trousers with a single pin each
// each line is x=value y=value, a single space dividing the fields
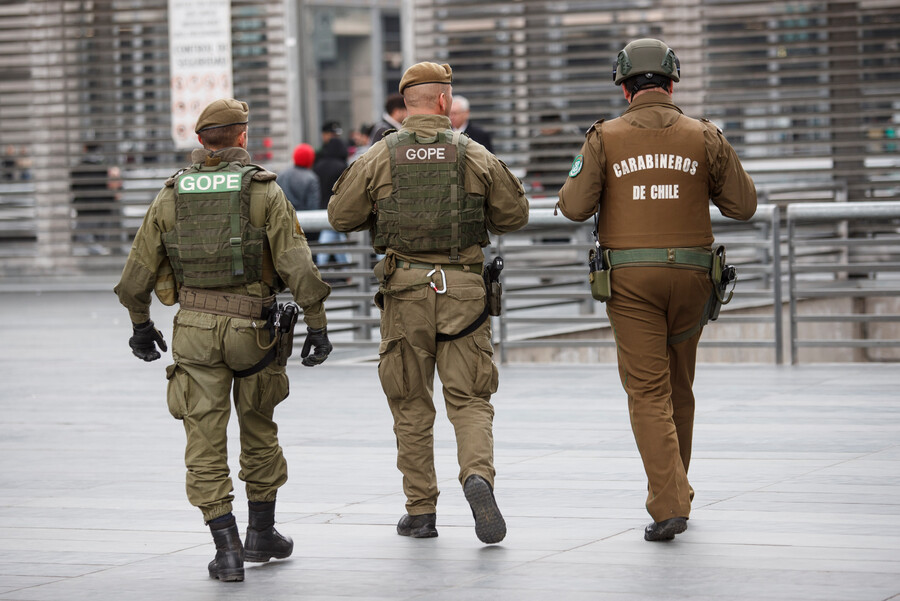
x=409 y=354
x=649 y=305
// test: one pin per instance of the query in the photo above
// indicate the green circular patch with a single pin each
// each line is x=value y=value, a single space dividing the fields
x=577 y=164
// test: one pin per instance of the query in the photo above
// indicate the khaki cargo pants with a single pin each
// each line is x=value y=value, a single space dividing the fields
x=207 y=348
x=648 y=305
x=408 y=357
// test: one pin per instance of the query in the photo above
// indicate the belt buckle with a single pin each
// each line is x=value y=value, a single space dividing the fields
x=443 y=280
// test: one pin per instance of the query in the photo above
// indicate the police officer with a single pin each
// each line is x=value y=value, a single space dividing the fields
x=430 y=196
x=651 y=173
x=222 y=239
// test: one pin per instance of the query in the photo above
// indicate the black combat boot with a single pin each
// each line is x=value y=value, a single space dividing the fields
x=418 y=526
x=228 y=566
x=263 y=542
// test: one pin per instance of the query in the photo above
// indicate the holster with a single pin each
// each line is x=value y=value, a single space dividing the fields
x=493 y=290
x=721 y=275
x=280 y=323
x=598 y=276
x=285 y=320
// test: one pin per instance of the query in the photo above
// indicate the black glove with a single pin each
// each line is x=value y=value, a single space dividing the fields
x=319 y=340
x=143 y=339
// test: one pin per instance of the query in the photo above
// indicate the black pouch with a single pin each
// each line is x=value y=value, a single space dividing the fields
x=598 y=276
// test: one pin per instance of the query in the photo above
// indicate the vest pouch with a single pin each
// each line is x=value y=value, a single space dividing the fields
x=598 y=276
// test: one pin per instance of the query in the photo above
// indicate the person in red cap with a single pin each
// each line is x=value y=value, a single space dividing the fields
x=300 y=183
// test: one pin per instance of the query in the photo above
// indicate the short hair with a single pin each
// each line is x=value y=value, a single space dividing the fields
x=394 y=101
x=425 y=95
x=222 y=137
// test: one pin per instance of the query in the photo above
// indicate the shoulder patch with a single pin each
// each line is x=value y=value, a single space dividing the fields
x=577 y=164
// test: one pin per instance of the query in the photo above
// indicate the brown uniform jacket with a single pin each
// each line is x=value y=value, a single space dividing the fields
x=368 y=180
x=148 y=264
x=649 y=211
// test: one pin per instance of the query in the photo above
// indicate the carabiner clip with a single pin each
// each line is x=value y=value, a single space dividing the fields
x=443 y=281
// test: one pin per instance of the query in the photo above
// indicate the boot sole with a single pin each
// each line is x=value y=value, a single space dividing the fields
x=228 y=575
x=256 y=557
x=490 y=527
x=418 y=533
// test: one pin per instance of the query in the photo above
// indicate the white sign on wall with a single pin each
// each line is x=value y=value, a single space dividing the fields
x=199 y=62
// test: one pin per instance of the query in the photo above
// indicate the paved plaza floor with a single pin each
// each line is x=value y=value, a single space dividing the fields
x=796 y=472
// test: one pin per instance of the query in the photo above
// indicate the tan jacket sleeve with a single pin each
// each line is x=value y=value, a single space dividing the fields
x=579 y=198
x=351 y=207
x=147 y=253
x=506 y=207
x=293 y=259
x=730 y=187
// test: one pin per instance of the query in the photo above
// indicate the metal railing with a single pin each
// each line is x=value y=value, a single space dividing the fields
x=546 y=291
x=546 y=295
x=848 y=255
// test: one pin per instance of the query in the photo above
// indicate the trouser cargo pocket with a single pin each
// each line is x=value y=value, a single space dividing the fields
x=177 y=393
x=390 y=368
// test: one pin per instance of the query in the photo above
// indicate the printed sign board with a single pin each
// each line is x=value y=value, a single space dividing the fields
x=199 y=62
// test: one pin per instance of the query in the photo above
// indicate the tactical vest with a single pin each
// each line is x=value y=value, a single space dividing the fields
x=213 y=243
x=429 y=208
x=657 y=186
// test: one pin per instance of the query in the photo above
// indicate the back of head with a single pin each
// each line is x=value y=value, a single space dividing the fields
x=304 y=155
x=221 y=122
x=646 y=63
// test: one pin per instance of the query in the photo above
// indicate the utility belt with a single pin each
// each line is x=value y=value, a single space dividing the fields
x=280 y=320
x=602 y=261
x=225 y=303
x=490 y=273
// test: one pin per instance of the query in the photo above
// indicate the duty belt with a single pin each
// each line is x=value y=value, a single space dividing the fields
x=664 y=256
x=439 y=268
x=473 y=267
x=225 y=303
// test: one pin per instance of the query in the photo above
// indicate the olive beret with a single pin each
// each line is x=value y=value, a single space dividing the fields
x=222 y=112
x=426 y=73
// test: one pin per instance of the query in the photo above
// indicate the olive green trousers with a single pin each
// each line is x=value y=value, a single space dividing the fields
x=408 y=357
x=649 y=305
x=207 y=348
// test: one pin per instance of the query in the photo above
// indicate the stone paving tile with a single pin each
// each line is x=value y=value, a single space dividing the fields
x=797 y=473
